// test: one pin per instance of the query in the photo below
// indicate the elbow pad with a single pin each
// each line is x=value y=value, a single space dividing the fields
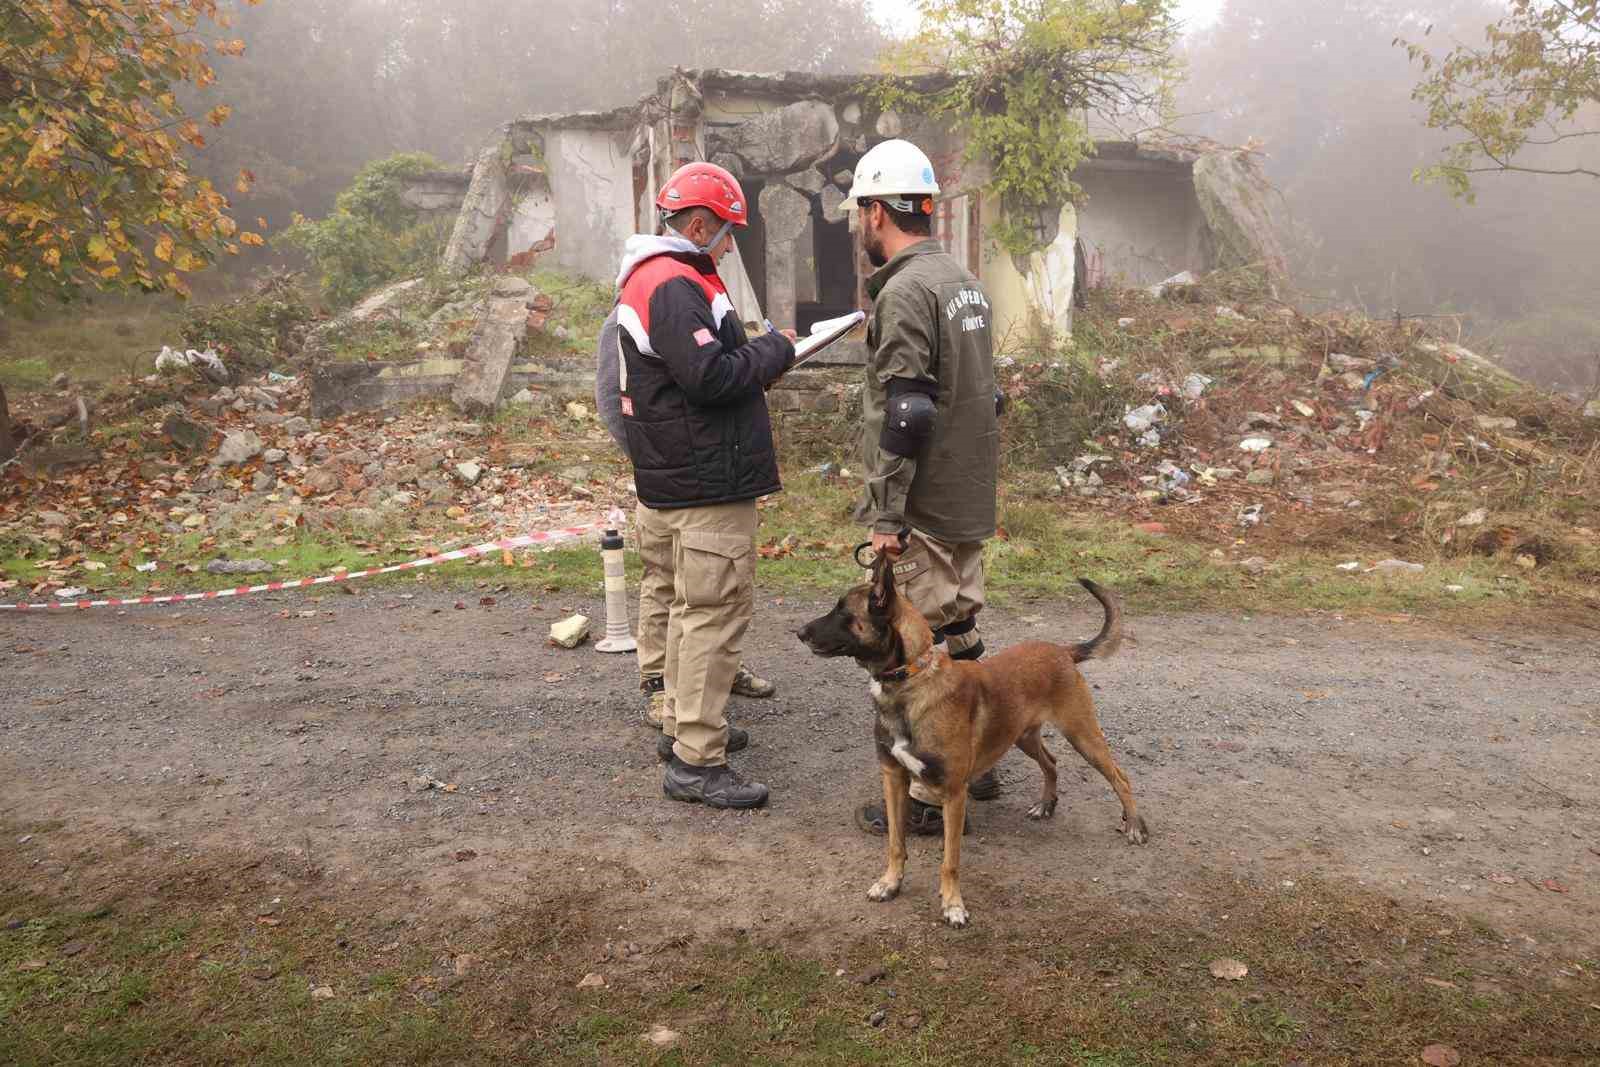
x=909 y=419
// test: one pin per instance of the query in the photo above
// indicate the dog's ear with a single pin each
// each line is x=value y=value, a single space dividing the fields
x=882 y=595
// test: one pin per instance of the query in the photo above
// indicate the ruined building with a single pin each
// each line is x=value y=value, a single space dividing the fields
x=569 y=189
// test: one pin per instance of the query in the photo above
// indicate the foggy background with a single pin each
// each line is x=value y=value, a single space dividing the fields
x=327 y=85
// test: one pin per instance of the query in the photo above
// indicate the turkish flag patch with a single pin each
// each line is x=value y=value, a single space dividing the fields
x=703 y=337
x=627 y=405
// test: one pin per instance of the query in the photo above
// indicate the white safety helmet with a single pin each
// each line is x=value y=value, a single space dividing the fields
x=896 y=172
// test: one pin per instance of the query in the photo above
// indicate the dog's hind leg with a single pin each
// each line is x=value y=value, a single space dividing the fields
x=1091 y=745
x=1033 y=744
x=896 y=799
x=955 y=820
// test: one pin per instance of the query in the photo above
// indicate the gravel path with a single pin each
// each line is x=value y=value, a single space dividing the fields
x=1457 y=769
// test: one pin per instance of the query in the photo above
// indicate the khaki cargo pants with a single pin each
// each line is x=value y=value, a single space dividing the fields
x=944 y=581
x=709 y=557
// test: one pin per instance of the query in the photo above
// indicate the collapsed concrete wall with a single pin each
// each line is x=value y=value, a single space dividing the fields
x=1139 y=219
x=574 y=187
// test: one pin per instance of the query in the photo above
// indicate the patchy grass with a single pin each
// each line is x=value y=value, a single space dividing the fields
x=806 y=542
x=107 y=339
x=191 y=964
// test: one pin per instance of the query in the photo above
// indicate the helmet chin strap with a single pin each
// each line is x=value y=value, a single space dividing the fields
x=705 y=249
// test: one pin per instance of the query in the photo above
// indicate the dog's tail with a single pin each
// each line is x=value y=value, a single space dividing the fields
x=1106 y=643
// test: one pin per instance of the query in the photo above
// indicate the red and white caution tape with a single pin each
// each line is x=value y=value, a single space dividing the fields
x=522 y=541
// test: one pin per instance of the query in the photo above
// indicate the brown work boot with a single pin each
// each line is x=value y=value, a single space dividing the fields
x=655 y=690
x=747 y=684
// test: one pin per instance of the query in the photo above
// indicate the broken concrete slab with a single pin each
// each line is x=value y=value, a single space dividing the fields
x=189 y=436
x=345 y=388
x=807 y=181
x=1239 y=208
x=490 y=350
x=239 y=447
x=786 y=139
x=481 y=210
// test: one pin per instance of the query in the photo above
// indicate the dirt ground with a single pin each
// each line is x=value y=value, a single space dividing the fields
x=1454 y=768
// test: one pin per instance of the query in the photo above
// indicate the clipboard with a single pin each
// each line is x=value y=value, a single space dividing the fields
x=824 y=334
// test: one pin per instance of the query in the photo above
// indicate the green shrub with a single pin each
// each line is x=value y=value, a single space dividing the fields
x=252 y=331
x=373 y=235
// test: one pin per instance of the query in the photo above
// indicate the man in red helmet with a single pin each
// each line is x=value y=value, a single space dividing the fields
x=694 y=413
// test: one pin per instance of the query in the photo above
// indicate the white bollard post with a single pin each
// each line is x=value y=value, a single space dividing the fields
x=619 y=635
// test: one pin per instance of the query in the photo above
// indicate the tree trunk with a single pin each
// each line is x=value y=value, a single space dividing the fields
x=8 y=448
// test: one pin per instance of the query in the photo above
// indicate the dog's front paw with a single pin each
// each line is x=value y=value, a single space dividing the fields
x=1043 y=810
x=883 y=889
x=1135 y=831
x=956 y=914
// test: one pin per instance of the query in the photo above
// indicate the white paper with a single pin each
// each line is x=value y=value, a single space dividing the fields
x=826 y=333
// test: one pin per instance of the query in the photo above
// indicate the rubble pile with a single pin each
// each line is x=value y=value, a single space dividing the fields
x=188 y=471
x=1324 y=430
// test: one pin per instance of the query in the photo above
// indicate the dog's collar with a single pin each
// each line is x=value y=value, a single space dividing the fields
x=910 y=670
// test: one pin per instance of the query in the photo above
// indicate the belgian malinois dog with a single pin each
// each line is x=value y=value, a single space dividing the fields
x=944 y=722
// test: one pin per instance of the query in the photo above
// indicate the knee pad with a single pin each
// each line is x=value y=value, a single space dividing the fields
x=910 y=416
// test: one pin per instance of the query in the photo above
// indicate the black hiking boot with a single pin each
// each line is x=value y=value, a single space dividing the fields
x=715 y=787
x=926 y=820
x=738 y=741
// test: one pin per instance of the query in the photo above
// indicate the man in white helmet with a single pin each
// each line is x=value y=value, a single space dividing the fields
x=930 y=443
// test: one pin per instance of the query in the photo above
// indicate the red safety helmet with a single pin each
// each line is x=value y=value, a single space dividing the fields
x=705 y=185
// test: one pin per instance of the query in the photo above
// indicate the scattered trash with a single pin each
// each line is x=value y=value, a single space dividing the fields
x=71 y=593
x=570 y=632
x=1150 y=439
x=207 y=364
x=1475 y=517
x=1495 y=422
x=1251 y=516
x=1303 y=408
x=1160 y=289
x=1224 y=312
x=1195 y=385
x=592 y=981
x=1349 y=568
x=1255 y=444
x=281 y=379
x=1171 y=478
x=1453 y=589
x=1140 y=419
x=1396 y=566
x=1230 y=970
x=1124 y=323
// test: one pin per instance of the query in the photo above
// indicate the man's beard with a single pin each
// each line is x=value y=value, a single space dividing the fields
x=873 y=245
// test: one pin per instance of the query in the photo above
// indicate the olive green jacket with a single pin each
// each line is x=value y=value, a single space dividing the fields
x=931 y=321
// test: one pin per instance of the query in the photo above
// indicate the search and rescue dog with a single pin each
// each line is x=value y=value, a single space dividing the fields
x=944 y=722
